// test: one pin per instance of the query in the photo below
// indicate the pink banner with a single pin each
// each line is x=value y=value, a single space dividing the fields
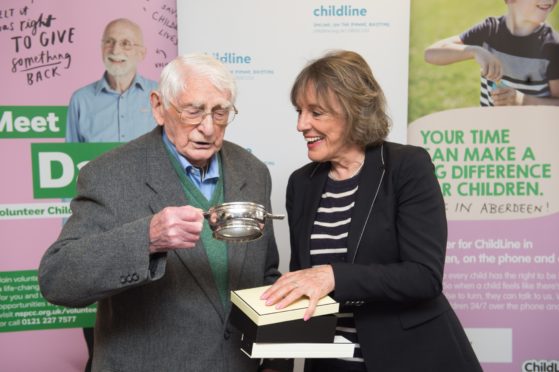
x=499 y=179
x=50 y=49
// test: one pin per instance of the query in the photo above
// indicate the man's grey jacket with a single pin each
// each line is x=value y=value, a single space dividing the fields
x=157 y=312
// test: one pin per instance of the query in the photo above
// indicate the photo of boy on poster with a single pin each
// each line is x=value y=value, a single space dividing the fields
x=518 y=55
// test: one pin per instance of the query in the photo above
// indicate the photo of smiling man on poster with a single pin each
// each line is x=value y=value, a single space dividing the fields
x=116 y=107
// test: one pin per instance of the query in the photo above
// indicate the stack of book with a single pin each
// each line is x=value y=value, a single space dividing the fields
x=282 y=333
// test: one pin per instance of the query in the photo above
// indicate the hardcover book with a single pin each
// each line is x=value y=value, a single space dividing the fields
x=248 y=300
x=340 y=348
x=318 y=329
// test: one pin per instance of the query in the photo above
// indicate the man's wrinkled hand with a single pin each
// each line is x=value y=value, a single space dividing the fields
x=175 y=228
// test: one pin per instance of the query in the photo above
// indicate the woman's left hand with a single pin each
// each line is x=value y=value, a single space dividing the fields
x=313 y=283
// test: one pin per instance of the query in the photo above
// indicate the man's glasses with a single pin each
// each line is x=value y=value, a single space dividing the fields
x=124 y=44
x=194 y=116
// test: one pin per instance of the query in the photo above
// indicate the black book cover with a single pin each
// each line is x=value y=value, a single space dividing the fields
x=318 y=329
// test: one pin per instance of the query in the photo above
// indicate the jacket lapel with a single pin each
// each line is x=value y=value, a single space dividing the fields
x=233 y=184
x=369 y=183
x=163 y=180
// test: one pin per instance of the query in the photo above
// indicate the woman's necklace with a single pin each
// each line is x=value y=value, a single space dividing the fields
x=331 y=174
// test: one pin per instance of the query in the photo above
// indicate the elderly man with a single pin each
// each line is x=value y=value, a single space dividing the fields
x=137 y=242
x=115 y=108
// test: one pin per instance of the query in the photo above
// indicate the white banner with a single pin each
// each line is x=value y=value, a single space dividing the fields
x=266 y=44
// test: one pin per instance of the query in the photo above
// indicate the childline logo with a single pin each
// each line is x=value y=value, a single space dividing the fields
x=56 y=166
x=339 y=11
x=540 y=366
x=232 y=58
x=33 y=121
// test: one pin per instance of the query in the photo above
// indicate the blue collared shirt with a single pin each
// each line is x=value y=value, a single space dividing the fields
x=97 y=113
x=206 y=185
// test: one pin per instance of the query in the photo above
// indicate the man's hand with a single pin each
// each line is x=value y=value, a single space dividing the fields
x=175 y=228
x=313 y=283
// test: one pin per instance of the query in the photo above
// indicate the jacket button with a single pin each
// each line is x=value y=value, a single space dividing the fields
x=135 y=277
x=122 y=279
x=227 y=335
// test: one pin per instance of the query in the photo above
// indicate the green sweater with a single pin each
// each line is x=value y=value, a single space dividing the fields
x=216 y=250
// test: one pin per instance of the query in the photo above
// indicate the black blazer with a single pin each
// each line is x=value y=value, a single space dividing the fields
x=394 y=270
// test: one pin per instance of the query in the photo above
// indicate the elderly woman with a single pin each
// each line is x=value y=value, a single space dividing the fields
x=368 y=227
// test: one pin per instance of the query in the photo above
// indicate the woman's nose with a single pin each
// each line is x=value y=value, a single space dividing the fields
x=302 y=122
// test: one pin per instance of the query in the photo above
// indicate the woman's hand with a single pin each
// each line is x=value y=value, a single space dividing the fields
x=313 y=283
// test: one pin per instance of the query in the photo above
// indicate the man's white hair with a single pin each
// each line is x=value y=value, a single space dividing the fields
x=172 y=82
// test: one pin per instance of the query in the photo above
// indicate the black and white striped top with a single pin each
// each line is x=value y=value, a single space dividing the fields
x=329 y=242
x=529 y=62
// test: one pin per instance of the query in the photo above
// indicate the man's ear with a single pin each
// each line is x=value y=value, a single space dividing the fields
x=142 y=53
x=157 y=108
